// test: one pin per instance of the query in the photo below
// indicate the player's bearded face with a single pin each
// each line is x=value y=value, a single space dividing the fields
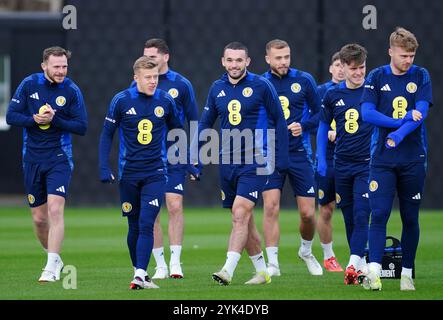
x=55 y=68
x=160 y=58
x=401 y=60
x=279 y=60
x=147 y=80
x=235 y=63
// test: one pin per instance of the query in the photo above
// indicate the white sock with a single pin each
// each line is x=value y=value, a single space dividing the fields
x=327 y=250
x=175 y=254
x=272 y=253
x=159 y=257
x=375 y=268
x=354 y=261
x=363 y=267
x=306 y=247
x=53 y=259
x=259 y=262
x=140 y=273
x=406 y=272
x=231 y=262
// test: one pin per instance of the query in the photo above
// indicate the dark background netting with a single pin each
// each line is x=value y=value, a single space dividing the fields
x=111 y=34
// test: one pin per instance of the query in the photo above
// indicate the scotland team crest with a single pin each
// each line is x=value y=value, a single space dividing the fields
x=31 y=199
x=60 y=101
x=411 y=87
x=173 y=92
x=373 y=186
x=159 y=111
x=247 y=92
x=126 y=207
x=295 y=87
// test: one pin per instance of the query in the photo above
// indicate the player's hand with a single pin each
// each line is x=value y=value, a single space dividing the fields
x=412 y=115
x=45 y=115
x=295 y=129
x=332 y=134
x=416 y=115
x=194 y=171
x=390 y=143
x=106 y=176
x=392 y=140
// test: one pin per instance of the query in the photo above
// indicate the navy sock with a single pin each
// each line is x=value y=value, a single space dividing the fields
x=361 y=226
x=348 y=217
x=145 y=240
x=410 y=232
x=132 y=237
x=381 y=210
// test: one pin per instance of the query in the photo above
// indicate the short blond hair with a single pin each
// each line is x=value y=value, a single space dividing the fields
x=404 y=39
x=276 y=44
x=144 y=62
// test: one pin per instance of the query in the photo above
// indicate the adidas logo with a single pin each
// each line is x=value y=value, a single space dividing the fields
x=34 y=96
x=254 y=194
x=365 y=195
x=386 y=88
x=311 y=190
x=221 y=94
x=154 y=203
x=340 y=103
x=131 y=111
x=61 y=189
x=417 y=196
x=179 y=187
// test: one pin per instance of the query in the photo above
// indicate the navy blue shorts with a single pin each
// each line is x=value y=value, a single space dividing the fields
x=351 y=182
x=176 y=179
x=301 y=178
x=240 y=181
x=407 y=179
x=326 y=185
x=46 y=178
x=142 y=194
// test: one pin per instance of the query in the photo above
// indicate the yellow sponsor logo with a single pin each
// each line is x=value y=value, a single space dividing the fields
x=42 y=110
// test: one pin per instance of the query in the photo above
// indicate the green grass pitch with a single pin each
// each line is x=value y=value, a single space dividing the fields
x=95 y=244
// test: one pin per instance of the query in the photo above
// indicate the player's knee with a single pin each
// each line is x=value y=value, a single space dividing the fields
x=326 y=213
x=271 y=209
x=40 y=221
x=307 y=214
x=55 y=211
x=175 y=208
x=240 y=216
